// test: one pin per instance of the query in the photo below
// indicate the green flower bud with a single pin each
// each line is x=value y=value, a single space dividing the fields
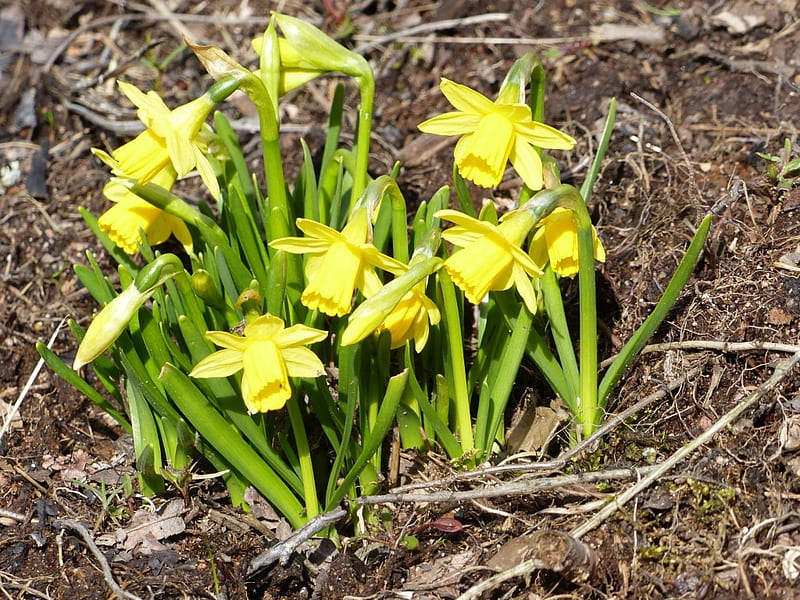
x=203 y=285
x=319 y=51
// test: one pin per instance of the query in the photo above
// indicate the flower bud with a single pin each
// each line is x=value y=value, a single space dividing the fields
x=316 y=50
x=112 y=320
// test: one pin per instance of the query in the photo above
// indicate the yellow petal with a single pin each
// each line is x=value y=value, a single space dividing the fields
x=477 y=268
x=206 y=172
x=451 y=123
x=538 y=248
x=142 y=158
x=265 y=327
x=465 y=98
x=302 y=362
x=123 y=221
x=482 y=156
x=298 y=245
x=226 y=340
x=525 y=289
x=544 y=136
x=221 y=363
x=318 y=230
x=299 y=335
x=527 y=163
x=330 y=289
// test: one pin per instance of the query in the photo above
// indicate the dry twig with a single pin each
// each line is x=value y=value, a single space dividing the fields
x=79 y=528
x=281 y=551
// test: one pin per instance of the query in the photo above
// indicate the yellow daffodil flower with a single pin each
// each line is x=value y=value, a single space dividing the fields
x=411 y=319
x=130 y=213
x=556 y=240
x=492 y=133
x=490 y=257
x=171 y=137
x=340 y=263
x=269 y=354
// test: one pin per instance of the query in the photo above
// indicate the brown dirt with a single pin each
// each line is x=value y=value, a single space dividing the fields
x=722 y=524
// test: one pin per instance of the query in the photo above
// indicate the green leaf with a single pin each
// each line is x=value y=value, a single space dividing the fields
x=370 y=445
x=660 y=312
x=462 y=193
x=146 y=442
x=61 y=369
x=224 y=437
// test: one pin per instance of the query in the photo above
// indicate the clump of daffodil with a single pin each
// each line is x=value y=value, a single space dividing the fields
x=268 y=354
x=493 y=133
x=340 y=262
x=172 y=137
x=490 y=257
x=556 y=240
x=130 y=213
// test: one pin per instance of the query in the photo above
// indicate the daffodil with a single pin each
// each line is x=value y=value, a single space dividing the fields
x=411 y=319
x=490 y=257
x=269 y=354
x=492 y=133
x=171 y=138
x=340 y=263
x=130 y=213
x=556 y=240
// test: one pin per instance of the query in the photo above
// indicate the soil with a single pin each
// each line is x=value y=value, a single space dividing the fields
x=701 y=90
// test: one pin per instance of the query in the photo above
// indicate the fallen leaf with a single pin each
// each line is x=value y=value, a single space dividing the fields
x=155 y=526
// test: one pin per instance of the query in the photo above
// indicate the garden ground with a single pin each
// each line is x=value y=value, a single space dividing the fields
x=700 y=90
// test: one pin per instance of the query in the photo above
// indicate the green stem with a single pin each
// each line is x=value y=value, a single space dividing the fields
x=366 y=86
x=554 y=305
x=505 y=375
x=591 y=177
x=279 y=213
x=455 y=358
x=304 y=454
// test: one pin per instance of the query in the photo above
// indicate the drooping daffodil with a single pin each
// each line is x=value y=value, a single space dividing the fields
x=130 y=213
x=556 y=240
x=340 y=262
x=171 y=138
x=490 y=256
x=411 y=319
x=493 y=133
x=268 y=354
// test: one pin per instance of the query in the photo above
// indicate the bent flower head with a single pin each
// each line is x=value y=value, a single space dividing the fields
x=171 y=137
x=411 y=319
x=556 y=241
x=493 y=133
x=268 y=354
